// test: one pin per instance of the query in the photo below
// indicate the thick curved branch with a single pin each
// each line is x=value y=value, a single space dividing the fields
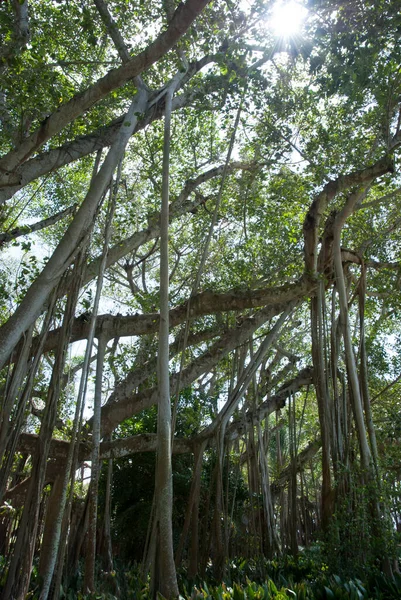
x=54 y=159
x=330 y=190
x=128 y=405
x=68 y=112
x=204 y=303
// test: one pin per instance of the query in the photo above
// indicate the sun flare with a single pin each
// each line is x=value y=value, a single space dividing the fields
x=287 y=19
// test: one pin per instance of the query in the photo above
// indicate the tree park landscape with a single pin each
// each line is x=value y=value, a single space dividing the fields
x=200 y=281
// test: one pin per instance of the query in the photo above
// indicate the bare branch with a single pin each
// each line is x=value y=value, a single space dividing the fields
x=27 y=229
x=113 y=30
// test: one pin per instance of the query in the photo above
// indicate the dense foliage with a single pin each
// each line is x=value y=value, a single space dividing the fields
x=199 y=299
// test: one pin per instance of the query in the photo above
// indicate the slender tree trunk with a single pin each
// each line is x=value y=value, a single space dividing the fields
x=194 y=550
x=14 y=391
x=89 y=583
x=366 y=456
x=319 y=375
x=217 y=534
x=281 y=499
x=272 y=540
x=46 y=549
x=253 y=489
x=364 y=375
x=63 y=515
x=164 y=577
x=338 y=453
x=191 y=513
x=18 y=420
x=66 y=251
x=90 y=558
x=20 y=567
x=108 y=547
x=54 y=524
x=292 y=485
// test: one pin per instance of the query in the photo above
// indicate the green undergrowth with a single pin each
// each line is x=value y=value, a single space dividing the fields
x=300 y=579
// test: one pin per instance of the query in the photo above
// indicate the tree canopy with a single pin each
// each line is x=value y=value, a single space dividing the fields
x=199 y=286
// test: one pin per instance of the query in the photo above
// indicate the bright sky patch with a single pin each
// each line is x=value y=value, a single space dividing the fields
x=287 y=19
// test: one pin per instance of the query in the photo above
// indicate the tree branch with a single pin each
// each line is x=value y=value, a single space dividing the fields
x=68 y=112
x=320 y=203
x=27 y=229
x=204 y=303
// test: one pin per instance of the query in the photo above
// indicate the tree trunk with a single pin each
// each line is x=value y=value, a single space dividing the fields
x=272 y=541
x=20 y=567
x=366 y=456
x=194 y=549
x=164 y=579
x=292 y=483
x=191 y=516
x=46 y=549
x=66 y=251
x=90 y=557
x=319 y=376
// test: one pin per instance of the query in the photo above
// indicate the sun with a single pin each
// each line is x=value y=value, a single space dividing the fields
x=287 y=19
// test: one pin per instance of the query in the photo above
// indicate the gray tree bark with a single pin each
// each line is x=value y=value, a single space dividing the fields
x=164 y=578
x=63 y=256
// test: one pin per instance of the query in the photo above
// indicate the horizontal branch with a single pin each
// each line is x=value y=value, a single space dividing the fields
x=204 y=303
x=130 y=404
